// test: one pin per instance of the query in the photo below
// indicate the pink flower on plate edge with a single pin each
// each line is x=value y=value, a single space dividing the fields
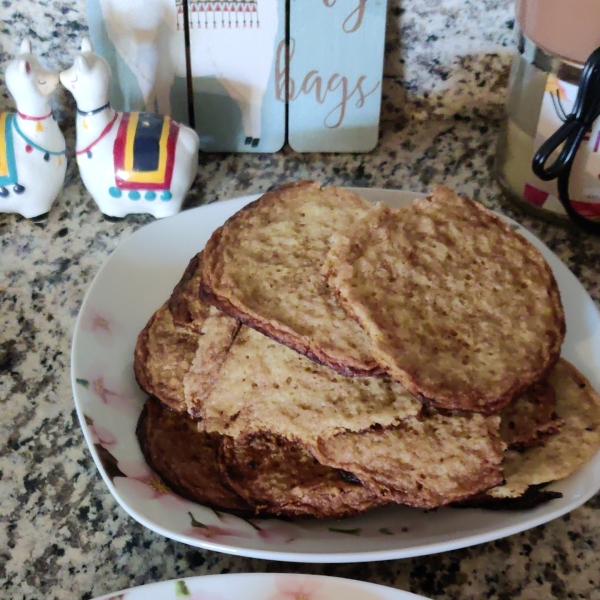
x=137 y=480
x=108 y=393
x=268 y=530
x=107 y=396
x=273 y=532
x=100 y=435
x=213 y=533
x=298 y=587
x=102 y=327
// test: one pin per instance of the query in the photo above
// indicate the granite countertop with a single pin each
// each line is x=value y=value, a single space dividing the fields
x=62 y=535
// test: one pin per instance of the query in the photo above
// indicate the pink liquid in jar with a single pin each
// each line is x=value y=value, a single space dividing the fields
x=567 y=28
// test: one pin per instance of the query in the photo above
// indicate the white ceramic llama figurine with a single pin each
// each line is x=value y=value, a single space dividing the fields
x=32 y=147
x=129 y=162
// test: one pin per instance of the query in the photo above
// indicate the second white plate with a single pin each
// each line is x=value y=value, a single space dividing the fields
x=262 y=586
x=137 y=278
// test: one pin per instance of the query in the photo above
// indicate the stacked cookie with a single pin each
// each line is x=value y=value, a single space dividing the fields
x=323 y=355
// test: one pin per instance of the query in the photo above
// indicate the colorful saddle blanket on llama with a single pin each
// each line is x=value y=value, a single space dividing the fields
x=8 y=164
x=144 y=151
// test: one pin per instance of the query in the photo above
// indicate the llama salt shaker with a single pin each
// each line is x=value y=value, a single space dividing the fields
x=32 y=147
x=129 y=162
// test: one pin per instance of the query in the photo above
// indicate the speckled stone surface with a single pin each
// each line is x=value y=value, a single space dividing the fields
x=62 y=535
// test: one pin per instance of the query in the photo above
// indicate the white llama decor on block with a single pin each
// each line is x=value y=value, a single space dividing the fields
x=238 y=47
x=232 y=53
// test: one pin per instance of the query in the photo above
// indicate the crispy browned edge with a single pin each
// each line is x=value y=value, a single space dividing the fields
x=211 y=381
x=558 y=335
x=177 y=302
x=141 y=434
x=142 y=376
x=289 y=340
x=397 y=496
x=544 y=430
x=140 y=358
x=295 y=510
x=533 y=497
x=182 y=317
x=541 y=435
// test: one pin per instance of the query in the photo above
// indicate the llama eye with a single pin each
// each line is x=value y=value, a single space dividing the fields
x=74 y=80
x=41 y=82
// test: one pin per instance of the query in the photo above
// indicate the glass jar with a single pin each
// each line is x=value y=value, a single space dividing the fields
x=538 y=80
x=554 y=39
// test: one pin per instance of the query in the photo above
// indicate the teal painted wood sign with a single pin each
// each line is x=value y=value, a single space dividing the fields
x=335 y=70
x=242 y=74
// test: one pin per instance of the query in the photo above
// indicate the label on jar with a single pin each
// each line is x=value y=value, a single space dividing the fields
x=584 y=182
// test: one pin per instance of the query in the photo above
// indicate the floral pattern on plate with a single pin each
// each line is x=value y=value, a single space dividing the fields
x=137 y=278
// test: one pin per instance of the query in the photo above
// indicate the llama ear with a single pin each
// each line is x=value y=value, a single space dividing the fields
x=25 y=46
x=24 y=67
x=86 y=45
x=82 y=64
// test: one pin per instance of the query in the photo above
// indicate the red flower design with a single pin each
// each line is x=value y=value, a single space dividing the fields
x=108 y=392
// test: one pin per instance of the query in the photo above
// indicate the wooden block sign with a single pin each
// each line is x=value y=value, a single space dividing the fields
x=233 y=51
x=144 y=43
x=242 y=72
x=336 y=52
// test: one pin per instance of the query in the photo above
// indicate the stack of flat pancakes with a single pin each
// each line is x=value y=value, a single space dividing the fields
x=323 y=355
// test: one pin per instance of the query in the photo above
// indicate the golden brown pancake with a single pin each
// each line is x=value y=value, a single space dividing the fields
x=459 y=308
x=216 y=330
x=163 y=354
x=578 y=405
x=185 y=459
x=263 y=386
x=280 y=477
x=422 y=462
x=185 y=304
x=263 y=268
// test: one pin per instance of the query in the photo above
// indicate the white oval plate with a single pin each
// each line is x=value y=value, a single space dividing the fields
x=262 y=586
x=136 y=279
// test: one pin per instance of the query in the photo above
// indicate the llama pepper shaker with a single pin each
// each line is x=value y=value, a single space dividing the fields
x=32 y=147
x=129 y=162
